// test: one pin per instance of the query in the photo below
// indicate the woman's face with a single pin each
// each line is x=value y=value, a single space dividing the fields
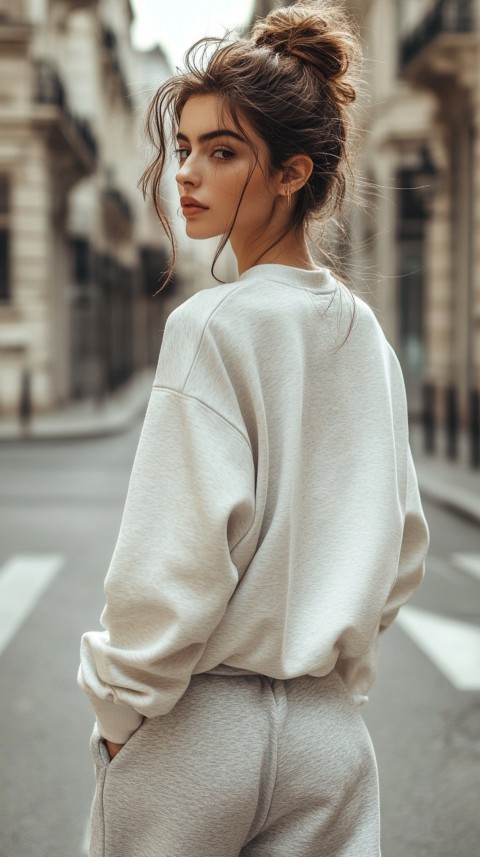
x=214 y=163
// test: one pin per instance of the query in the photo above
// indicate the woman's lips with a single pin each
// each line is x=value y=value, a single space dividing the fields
x=190 y=209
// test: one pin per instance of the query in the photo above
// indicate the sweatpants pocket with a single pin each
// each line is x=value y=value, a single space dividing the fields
x=98 y=749
x=102 y=761
x=97 y=818
x=105 y=768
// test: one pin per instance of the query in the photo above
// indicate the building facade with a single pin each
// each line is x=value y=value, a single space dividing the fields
x=81 y=252
x=421 y=160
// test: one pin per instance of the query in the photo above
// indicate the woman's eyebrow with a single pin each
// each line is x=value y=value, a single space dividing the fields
x=211 y=135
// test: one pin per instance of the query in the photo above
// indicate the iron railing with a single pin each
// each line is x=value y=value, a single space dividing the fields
x=444 y=16
x=49 y=89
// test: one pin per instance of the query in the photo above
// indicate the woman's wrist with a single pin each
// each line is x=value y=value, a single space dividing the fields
x=113 y=748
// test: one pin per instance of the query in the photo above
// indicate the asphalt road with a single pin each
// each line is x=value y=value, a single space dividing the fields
x=63 y=501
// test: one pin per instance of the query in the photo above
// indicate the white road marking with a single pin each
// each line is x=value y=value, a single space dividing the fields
x=453 y=646
x=86 y=839
x=467 y=562
x=23 y=580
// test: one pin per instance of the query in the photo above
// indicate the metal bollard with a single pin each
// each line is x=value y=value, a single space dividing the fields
x=451 y=421
x=428 y=417
x=25 y=404
x=474 y=428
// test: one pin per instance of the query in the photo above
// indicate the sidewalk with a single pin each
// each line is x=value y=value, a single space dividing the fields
x=454 y=485
x=87 y=419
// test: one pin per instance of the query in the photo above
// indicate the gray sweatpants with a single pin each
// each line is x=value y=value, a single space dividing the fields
x=243 y=766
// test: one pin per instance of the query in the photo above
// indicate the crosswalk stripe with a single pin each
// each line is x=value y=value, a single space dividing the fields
x=86 y=839
x=453 y=646
x=467 y=562
x=23 y=580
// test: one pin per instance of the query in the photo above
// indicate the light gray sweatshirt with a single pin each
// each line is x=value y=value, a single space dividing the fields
x=273 y=521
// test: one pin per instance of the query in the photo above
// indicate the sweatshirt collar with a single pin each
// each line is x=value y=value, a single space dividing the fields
x=320 y=279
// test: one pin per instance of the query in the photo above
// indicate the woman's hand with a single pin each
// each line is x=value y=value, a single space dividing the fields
x=112 y=748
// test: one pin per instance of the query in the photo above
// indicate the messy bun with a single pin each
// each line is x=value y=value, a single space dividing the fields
x=321 y=42
x=292 y=80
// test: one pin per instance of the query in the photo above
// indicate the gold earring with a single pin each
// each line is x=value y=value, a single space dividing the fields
x=289 y=196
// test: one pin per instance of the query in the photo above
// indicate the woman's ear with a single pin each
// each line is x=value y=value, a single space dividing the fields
x=295 y=173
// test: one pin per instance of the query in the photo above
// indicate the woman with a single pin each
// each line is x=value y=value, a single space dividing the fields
x=273 y=526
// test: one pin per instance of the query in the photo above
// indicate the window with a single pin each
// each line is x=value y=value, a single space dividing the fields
x=410 y=205
x=81 y=261
x=5 y=275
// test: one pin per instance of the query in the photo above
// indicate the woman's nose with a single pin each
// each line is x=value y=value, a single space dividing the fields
x=185 y=174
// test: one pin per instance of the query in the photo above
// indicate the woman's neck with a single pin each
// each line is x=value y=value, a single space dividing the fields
x=291 y=251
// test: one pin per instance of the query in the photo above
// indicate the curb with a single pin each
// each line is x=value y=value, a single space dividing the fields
x=113 y=417
x=456 y=499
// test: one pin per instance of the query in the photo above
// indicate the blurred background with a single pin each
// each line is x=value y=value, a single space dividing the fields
x=81 y=256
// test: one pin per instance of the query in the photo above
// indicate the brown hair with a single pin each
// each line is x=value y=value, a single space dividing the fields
x=289 y=79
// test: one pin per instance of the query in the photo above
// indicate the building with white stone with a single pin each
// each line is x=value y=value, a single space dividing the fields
x=420 y=235
x=81 y=251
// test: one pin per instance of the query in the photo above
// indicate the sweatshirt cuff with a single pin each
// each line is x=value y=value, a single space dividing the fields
x=116 y=721
x=359 y=698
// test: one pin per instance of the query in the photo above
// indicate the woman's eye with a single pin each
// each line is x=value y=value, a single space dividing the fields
x=228 y=154
x=179 y=153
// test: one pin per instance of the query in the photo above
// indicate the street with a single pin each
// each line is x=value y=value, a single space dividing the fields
x=61 y=509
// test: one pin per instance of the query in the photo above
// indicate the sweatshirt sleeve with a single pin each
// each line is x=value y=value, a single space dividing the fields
x=190 y=502
x=413 y=551
x=359 y=674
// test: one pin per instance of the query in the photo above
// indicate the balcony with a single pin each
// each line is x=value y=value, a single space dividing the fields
x=72 y=5
x=12 y=10
x=15 y=30
x=70 y=137
x=118 y=214
x=434 y=45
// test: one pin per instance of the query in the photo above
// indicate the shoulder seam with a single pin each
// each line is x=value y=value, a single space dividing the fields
x=161 y=388
x=214 y=310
